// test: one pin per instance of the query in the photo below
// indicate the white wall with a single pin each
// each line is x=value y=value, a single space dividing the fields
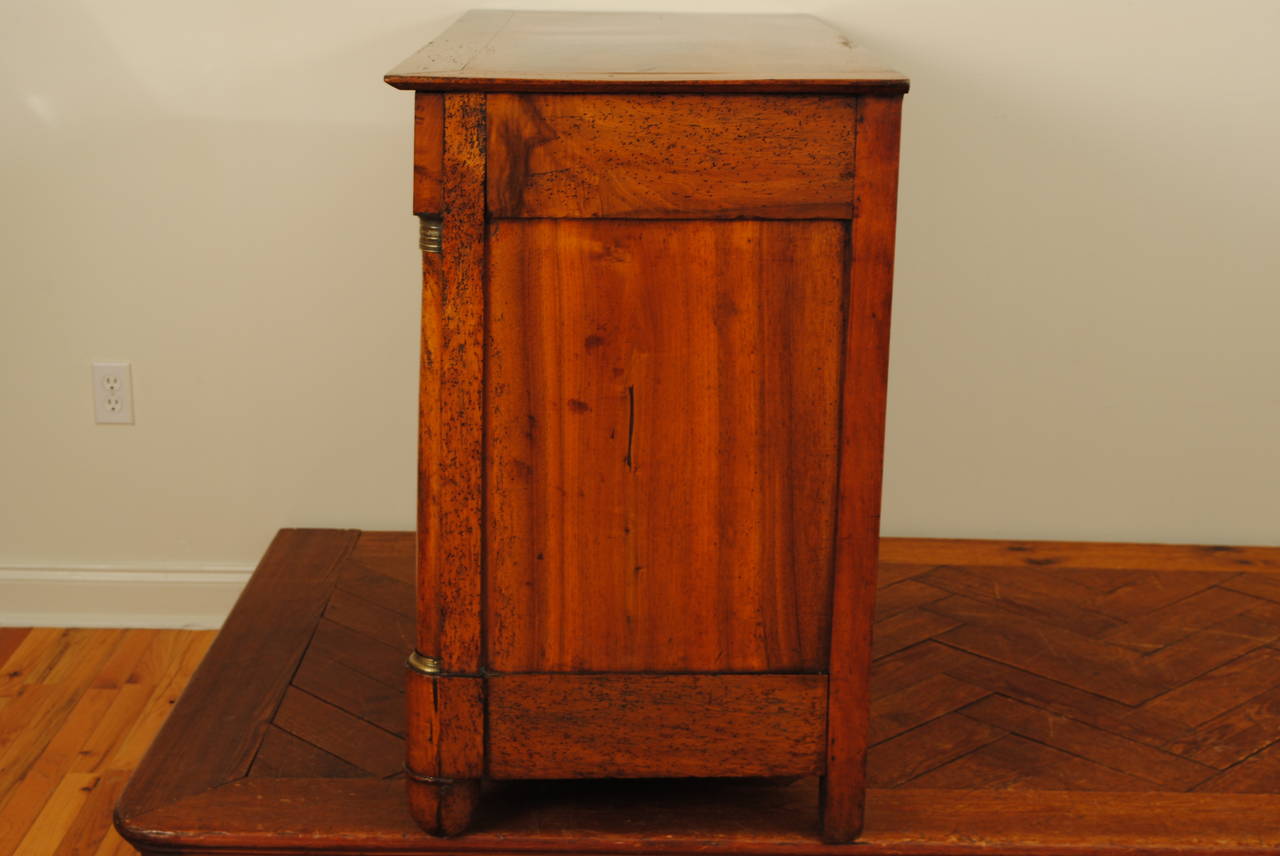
x=1088 y=293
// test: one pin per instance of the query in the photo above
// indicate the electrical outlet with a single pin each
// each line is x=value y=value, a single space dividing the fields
x=112 y=393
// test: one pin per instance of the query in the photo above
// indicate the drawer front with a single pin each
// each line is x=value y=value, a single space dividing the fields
x=670 y=156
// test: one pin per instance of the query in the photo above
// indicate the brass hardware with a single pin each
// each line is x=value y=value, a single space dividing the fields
x=426 y=780
x=423 y=664
x=429 y=234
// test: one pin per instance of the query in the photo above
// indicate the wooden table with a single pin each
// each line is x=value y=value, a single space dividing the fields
x=1028 y=698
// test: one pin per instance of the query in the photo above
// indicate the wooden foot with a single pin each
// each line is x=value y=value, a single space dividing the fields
x=443 y=808
x=841 y=809
x=444 y=756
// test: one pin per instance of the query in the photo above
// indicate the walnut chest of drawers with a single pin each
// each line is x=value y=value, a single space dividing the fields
x=657 y=263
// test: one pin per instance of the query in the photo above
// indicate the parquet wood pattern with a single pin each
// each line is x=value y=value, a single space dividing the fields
x=1094 y=678
x=1024 y=676
x=1162 y=719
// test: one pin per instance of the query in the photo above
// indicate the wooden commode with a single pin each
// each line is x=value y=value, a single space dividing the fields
x=657 y=258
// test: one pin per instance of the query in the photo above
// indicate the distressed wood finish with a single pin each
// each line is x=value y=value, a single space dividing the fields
x=446 y=719
x=653 y=371
x=972 y=755
x=450 y=500
x=670 y=156
x=505 y=51
x=428 y=153
x=861 y=463
x=661 y=445
x=630 y=726
x=450 y=485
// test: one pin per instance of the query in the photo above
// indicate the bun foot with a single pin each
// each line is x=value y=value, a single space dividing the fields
x=443 y=807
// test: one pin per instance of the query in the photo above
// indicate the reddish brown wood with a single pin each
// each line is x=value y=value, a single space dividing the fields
x=376 y=661
x=428 y=153
x=1017 y=763
x=1040 y=604
x=1162 y=769
x=388 y=553
x=283 y=755
x=429 y=544
x=1257 y=585
x=450 y=498
x=908 y=708
x=628 y=726
x=933 y=744
x=593 y=52
x=390 y=627
x=238 y=687
x=391 y=594
x=990 y=631
x=861 y=452
x=446 y=751
x=990 y=798
x=1154 y=630
x=1108 y=558
x=661 y=444
x=350 y=689
x=303 y=816
x=649 y=382
x=670 y=156
x=1218 y=691
x=340 y=732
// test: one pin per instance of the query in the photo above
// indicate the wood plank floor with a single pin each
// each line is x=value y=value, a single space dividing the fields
x=78 y=708
x=1000 y=666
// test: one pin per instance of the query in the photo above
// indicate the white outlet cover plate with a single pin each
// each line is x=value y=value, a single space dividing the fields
x=112 y=394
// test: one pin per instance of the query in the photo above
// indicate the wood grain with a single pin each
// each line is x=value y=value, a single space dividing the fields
x=1109 y=558
x=231 y=700
x=450 y=500
x=282 y=755
x=428 y=153
x=352 y=690
x=446 y=753
x=862 y=397
x=1235 y=811
x=629 y=52
x=274 y=816
x=340 y=733
x=989 y=631
x=670 y=156
x=661 y=446
x=628 y=726
x=63 y=753
x=1162 y=769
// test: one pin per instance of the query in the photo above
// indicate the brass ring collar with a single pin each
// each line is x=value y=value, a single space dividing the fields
x=423 y=664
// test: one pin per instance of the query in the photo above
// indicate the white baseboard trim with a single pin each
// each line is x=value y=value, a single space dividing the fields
x=151 y=595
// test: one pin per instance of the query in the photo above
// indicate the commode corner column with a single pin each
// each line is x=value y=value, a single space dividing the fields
x=445 y=754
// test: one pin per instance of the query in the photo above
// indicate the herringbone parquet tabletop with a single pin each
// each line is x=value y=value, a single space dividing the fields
x=1032 y=672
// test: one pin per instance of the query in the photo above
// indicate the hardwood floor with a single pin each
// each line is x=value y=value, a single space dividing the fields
x=78 y=708
x=1135 y=686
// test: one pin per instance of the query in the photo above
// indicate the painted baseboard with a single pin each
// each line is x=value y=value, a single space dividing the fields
x=192 y=596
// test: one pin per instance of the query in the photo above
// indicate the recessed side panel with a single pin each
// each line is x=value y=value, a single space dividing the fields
x=635 y=726
x=661 y=444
